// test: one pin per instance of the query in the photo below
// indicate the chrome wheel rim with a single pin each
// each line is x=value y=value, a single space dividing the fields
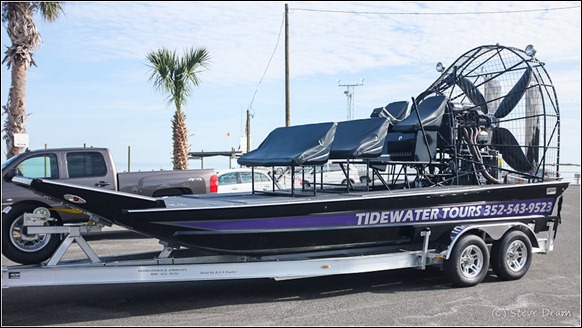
x=471 y=262
x=33 y=243
x=516 y=255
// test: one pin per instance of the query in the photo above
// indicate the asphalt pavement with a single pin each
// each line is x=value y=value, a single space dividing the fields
x=548 y=295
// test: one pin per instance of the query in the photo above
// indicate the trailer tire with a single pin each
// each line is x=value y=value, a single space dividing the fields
x=511 y=255
x=26 y=251
x=468 y=263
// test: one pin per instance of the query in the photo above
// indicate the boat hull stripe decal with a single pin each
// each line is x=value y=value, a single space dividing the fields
x=431 y=214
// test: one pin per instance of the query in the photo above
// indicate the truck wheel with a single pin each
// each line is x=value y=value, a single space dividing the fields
x=32 y=248
x=468 y=263
x=511 y=255
x=345 y=182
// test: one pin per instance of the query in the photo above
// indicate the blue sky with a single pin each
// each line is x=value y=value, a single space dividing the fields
x=91 y=84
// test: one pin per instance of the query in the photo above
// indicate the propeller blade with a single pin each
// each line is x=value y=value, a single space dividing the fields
x=514 y=96
x=533 y=150
x=472 y=93
x=507 y=145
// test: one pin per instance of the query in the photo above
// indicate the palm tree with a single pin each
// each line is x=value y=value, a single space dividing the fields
x=18 y=20
x=176 y=76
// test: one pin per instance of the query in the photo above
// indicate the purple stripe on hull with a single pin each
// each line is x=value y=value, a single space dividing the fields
x=430 y=214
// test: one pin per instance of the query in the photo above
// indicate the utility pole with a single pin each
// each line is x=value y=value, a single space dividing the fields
x=287 y=106
x=248 y=130
x=350 y=96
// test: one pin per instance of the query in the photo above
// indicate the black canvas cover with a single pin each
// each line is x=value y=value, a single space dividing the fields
x=297 y=145
x=359 y=138
x=431 y=112
x=395 y=111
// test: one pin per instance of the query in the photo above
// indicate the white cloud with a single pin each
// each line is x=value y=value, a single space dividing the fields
x=242 y=35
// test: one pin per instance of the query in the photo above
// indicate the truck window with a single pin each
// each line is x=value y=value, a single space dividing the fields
x=42 y=166
x=86 y=164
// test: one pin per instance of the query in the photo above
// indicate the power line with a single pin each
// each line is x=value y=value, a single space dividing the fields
x=268 y=63
x=250 y=107
x=435 y=13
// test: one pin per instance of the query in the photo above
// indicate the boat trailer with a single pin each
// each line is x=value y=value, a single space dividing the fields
x=169 y=266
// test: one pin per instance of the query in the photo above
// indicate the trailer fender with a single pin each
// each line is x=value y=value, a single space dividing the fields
x=495 y=231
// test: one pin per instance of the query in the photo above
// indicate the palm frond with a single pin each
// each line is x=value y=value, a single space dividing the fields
x=50 y=11
x=163 y=64
x=175 y=75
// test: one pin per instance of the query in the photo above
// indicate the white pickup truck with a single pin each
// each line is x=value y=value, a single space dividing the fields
x=93 y=167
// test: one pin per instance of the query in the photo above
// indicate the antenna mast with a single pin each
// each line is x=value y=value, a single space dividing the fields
x=350 y=96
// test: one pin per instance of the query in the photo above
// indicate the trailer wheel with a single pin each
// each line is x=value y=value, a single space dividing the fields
x=15 y=244
x=468 y=263
x=511 y=255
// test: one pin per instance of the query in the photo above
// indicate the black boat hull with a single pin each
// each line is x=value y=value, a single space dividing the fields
x=269 y=224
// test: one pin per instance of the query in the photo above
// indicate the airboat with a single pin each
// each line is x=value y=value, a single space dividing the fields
x=472 y=161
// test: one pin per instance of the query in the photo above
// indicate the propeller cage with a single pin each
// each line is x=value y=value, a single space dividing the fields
x=508 y=95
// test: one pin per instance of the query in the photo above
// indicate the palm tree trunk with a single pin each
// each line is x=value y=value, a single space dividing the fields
x=16 y=107
x=181 y=147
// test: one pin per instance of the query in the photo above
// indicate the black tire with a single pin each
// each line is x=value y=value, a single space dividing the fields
x=468 y=263
x=26 y=251
x=511 y=255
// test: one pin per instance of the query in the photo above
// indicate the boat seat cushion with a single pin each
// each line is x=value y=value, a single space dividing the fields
x=394 y=111
x=361 y=138
x=298 y=145
x=431 y=112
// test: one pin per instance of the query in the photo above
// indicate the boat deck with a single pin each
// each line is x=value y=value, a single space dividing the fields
x=330 y=195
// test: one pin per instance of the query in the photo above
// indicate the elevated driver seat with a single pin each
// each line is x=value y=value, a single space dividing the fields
x=406 y=140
